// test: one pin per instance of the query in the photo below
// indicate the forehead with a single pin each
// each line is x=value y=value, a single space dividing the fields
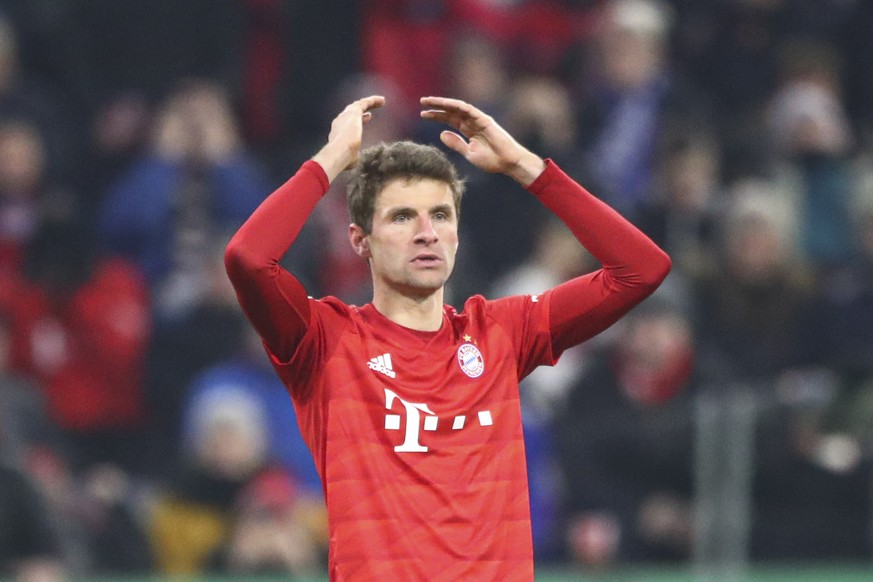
x=413 y=193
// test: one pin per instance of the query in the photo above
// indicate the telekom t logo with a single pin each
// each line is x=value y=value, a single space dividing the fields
x=413 y=424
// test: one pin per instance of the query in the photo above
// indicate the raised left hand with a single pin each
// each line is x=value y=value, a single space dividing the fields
x=481 y=140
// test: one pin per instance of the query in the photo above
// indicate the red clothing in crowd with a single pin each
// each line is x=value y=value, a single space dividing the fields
x=87 y=348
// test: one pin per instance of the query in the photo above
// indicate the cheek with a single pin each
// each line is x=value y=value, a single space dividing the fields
x=452 y=242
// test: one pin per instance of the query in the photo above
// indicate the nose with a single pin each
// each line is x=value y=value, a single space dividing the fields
x=426 y=234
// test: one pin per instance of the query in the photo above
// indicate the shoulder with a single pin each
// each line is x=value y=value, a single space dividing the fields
x=478 y=307
x=330 y=317
x=333 y=307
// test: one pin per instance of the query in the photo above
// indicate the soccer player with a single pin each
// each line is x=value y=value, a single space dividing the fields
x=410 y=408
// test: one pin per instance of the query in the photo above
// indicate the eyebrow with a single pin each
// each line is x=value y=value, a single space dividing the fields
x=446 y=208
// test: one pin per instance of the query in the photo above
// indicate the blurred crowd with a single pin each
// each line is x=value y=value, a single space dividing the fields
x=142 y=430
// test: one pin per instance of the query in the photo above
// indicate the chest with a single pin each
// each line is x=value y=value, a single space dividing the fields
x=426 y=398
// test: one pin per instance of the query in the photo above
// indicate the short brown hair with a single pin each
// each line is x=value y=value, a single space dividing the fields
x=381 y=163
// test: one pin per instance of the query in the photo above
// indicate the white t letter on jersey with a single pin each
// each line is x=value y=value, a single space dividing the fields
x=413 y=423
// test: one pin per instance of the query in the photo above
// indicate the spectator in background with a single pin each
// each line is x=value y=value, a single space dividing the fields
x=810 y=130
x=23 y=185
x=29 y=549
x=26 y=98
x=839 y=338
x=29 y=546
x=249 y=373
x=192 y=518
x=729 y=49
x=751 y=310
x=812 y=490
x=625 y=442
x=410 y=41
x=475 y=71
x=407 y=43
x=109 y=510
x=197 y=181
x=210 y=332
x=541 y=110
x=117 y=135
x=630 y=97
x=80 y=327
x=277 y=530
x=23 y=422
x=684 y=214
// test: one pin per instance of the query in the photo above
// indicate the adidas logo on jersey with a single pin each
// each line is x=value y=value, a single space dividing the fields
x=382 y=364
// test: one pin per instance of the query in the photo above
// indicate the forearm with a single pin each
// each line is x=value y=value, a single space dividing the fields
x=629 y=256
x=273 y=227
x=632 y=265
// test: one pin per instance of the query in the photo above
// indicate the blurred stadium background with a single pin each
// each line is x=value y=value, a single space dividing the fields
x=722 y=431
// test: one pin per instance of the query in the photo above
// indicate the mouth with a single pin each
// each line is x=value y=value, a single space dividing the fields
x=426 y=260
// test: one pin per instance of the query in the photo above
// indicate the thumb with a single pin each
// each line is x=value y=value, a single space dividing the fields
x=455 y=142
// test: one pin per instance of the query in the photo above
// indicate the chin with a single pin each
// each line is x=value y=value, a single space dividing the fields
x=426 y=286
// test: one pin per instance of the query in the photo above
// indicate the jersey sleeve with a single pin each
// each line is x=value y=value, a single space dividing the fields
x=525 y=320
x=329 y=318
x=632 y=265
x=272 y=298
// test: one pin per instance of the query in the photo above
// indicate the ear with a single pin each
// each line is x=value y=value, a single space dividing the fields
x=359 y=240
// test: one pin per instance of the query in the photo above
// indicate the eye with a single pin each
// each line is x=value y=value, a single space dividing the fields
x=441 y=216
x=400 y=218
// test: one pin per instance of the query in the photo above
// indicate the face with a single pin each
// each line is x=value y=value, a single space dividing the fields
x=414 y=238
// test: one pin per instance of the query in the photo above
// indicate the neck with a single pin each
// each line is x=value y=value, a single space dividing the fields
x=422 y=313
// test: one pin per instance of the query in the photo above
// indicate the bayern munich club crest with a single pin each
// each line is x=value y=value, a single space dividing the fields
x=471 y=361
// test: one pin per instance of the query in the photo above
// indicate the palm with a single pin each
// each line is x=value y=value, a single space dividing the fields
x=488 y=146
x=482 y=153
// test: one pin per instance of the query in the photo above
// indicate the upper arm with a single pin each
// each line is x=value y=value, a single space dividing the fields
x=585 y=306
x=274 y=301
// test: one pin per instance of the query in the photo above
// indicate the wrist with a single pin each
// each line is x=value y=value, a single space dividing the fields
x=332 y=160
x=527 y=169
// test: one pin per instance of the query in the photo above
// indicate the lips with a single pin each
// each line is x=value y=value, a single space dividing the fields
x=426 y=259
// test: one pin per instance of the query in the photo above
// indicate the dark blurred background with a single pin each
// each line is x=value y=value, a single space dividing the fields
x=725 y=424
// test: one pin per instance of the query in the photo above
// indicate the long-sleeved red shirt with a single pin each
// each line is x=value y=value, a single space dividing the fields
x=417 y=435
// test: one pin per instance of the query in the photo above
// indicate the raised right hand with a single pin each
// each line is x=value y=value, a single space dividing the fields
x=346 y=133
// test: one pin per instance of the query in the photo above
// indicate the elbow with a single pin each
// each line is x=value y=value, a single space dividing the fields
x=656 y=270
x=664 y=264
x=240 y=258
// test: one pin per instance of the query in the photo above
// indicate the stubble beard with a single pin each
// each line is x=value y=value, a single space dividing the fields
x=421 y=284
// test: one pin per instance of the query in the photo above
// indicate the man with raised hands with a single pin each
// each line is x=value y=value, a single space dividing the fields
x=409 y=407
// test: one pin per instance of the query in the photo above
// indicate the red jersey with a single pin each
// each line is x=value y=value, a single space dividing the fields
x=417 y=435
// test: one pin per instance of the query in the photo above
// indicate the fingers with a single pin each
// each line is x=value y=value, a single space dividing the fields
x=448 y=104
x=454 y=141
x=368 y=103
x=453 y=112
